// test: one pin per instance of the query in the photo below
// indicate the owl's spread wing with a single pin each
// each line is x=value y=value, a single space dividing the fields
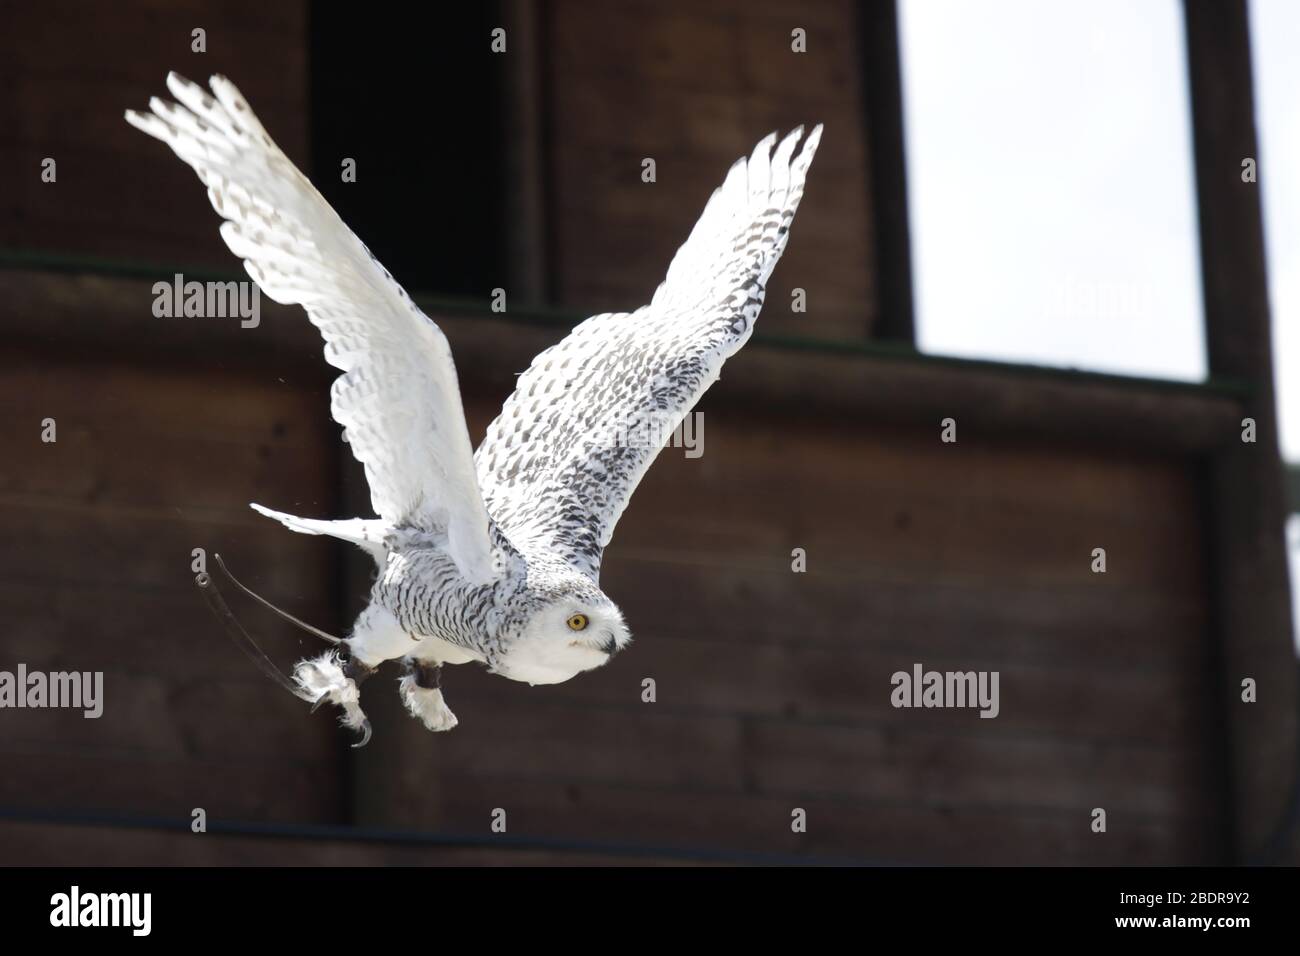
x=561 y=461
x=398 y=399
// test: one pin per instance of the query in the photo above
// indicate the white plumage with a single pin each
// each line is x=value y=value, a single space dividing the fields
x=495 y=556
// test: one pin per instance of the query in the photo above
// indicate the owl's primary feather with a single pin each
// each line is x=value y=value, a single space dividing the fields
x=397 y=399
x=493 y=557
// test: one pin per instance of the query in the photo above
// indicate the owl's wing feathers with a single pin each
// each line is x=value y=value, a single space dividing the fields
x=588 y=417
x=398 y=399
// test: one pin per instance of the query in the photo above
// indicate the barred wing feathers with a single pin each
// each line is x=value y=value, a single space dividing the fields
x=398 y=398
x=559 y=464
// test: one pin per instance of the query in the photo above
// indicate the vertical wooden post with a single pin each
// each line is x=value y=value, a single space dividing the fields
x=883 y=95
x=1246 y=480
x=525 y=117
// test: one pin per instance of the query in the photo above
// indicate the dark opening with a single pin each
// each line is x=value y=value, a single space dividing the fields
x=413 y=93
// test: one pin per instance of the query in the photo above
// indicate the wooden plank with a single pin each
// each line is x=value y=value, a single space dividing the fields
x=988 y=400
x=978 y=770
x=182 y=715
x=145 y=553
x=844 y=829
x=1102 y=705
x=584 y=814
x=703 y=85
x=950 y=616
x=1247 y=510
x=116 y=193
x=107 y=316
x=44 y=843
x=228 y=788
x=521 y=732
x=889 y=502
x=151 y=462
x=168 y=631
x=162 y=443
x=883 y=98
x=672 y=47
x=524 y=131
x=1030 y=755
x=115 y=461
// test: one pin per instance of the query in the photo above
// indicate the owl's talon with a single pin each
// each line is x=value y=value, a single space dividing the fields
x=365 y=734
x=326 y=679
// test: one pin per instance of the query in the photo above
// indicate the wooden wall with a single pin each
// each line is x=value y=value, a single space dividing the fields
x=773 y=687
x=155 y=455
x=695 y=87
x=149 y=464
x=67 y=83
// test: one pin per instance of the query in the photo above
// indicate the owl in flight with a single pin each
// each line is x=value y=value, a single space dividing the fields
x=490 y=556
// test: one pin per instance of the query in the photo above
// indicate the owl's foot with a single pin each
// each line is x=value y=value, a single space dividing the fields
x=421 y=689
x=332 y=678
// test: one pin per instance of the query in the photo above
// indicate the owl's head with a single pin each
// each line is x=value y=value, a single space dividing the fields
x=575 y=628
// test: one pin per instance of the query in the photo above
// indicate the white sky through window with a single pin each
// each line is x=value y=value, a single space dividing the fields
x=1050 y=179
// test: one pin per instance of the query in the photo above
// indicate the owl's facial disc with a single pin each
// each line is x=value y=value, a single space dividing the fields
x=565 y=638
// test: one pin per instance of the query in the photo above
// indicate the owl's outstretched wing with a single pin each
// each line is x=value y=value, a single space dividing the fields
x=398 y=399
x=561 y=461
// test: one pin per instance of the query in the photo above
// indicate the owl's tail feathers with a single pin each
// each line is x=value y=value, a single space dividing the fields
x=366 y=533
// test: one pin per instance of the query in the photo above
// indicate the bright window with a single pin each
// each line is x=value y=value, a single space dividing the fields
x=1051 y=186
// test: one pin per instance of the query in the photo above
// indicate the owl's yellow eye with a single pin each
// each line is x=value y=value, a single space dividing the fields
x=577 y=623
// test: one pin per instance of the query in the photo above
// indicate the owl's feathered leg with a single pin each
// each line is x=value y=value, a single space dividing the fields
x=335 y=676
x=335 y=679
x=421 y=689
x=328 y=677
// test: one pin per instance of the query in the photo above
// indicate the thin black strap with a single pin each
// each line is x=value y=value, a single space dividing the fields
x=208 y=588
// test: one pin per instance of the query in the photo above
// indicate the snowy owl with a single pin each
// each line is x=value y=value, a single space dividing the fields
x=491 y=556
